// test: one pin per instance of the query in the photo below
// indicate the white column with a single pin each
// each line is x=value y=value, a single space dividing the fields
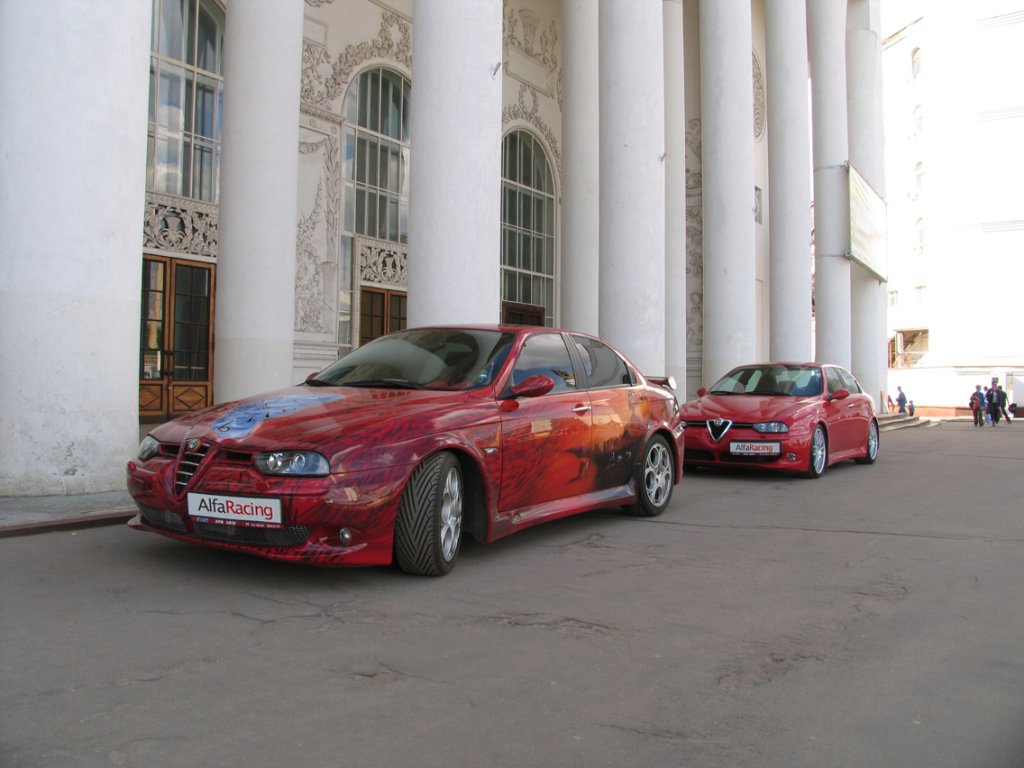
x=632 y=251
x=867 y=142
x=580 y=167
x=455 y=126
x=827 y=32
x=727 y=140
x=258 y=198
x=72 y=201
x=789 y=172
x=675 y=194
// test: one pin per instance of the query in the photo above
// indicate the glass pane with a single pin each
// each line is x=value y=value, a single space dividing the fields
x=403 y=222
x=350 y=208
x=526 y=211
x=364 y=100
x=385 y=100
x=509 y=251
x=361 y=162
x=171 y=97
x=167 y=164
x=512 y=166
x=152 y=89
x=373 y=108
x=382 y=217
x=525 y=289
x=173 y=21
x=205 y=107
x=393 y=166
x=372 y=164
x=549 y=255
x=526 y=252
x=360 y=223
x=538 y=255
x=511 y=212
x=549 y=216
x=539 y=222
x=395 y=108
x=404 y=186
x=349 y=153
x=352 y=104
x=508 y=285
x=371 y=214
x=526 y=169
x=393 y=218
x=405 y=112
x=210 y=38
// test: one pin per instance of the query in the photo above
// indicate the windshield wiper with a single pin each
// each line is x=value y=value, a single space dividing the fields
x=319 y=383
x=383 y=384
x=721 y=392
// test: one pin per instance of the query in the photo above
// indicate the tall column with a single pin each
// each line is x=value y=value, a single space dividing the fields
x=827 y=32
x=632 y=251
x=72 y=203
x=259 y=198
x=789 y=172
x=454 y=200
x=580 y=162
x=867 y=142
x=675 y=194
x=727 y=140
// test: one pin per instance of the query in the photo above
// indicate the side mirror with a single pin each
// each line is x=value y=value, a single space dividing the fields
x=312 y=376
x=839 y=394
x=702 y=391
x=533 y=386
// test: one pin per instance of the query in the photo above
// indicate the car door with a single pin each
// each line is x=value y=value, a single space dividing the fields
x=860 y=409
x=546 y=453
x=620 y=411
x=841 y=416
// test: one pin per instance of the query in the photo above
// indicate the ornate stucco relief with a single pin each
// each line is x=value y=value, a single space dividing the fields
x=316 y=246
x=324 y=81
x=760 y=108
x=530 y=53
x=382 y=262
x=180 y=225
x=694 y=240
x=530 y=113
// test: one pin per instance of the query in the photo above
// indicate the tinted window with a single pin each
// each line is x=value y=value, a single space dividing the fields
x=774 y=380
x=436 y=358
x=834 y=382
x=848 y=381
x=603 y=365
x=546 y=355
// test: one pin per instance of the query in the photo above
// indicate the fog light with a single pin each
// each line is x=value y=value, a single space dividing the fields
x=791 y=456
x=345 y=537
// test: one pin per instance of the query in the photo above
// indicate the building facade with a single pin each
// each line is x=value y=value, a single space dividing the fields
x=295 y=178
x=954 y=111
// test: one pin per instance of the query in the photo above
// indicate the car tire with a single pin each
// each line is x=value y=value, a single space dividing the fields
x=871 y=448
x=428 y=530
x=655 y=479
x=817 y=453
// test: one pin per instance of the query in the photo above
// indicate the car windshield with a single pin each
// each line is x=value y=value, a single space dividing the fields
x=771 y=380
x=423 y=358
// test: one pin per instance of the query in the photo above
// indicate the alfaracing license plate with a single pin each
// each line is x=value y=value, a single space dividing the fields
x=235 y=510
x=754 y=448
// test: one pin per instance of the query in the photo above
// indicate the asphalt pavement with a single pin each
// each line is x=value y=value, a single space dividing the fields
x=872 y=617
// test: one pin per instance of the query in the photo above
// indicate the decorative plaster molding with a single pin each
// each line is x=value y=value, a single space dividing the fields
x=760 y=109
x=323 y=82
x=531 y=58
x=180 y=225
x=382 y=262
x=694 y=241
x=531 y=115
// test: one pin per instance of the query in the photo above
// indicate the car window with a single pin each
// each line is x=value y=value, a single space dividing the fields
x=545 y=354
x=849 y=382
x=770 y=380
x=432 y=358
x=603 y=365
x=834 y=382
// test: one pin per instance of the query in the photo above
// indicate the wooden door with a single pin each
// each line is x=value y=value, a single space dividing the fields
x=176 y=349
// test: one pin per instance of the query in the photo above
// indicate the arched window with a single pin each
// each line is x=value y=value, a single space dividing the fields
x=186 y=91
x=527 y=231
x=376 y=171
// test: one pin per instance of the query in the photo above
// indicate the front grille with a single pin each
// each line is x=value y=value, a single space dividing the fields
x=187 y=466
x=286 y=536
x=161 y=518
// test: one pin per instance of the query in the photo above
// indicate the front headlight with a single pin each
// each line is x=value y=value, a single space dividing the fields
x=771 y=427
x=148 y=448
x=301 y=463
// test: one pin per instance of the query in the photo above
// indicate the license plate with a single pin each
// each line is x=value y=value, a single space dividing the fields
x=754 y=448
x=235 y=510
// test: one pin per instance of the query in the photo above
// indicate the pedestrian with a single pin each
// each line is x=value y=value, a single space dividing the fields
x=988 y=415
x=992 y=406
x=977 y=404
x=1001 y=402
x=901 y=400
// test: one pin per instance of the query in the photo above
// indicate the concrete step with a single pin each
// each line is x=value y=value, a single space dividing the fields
x=887 y=422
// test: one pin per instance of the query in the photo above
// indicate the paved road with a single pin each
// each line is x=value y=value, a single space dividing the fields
x=873 y=617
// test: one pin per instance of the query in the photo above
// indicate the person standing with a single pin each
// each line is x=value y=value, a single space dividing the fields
x=901 y=400
x=977 y=403
x=1001 y=402
x=992 y=406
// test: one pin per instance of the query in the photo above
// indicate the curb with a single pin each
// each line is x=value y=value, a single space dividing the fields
x=87 y=520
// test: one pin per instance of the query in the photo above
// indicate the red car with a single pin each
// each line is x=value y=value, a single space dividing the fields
x=397 y=448
x=795 y=417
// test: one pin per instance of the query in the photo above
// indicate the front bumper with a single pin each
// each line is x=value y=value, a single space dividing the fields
x=699 y=448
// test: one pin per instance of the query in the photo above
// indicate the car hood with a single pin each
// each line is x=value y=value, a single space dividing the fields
x=325 y=418
x=745 y=408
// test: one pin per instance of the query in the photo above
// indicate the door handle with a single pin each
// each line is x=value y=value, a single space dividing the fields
x=581 y=409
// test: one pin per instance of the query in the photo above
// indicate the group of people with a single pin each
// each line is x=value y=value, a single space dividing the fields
x=989 y=405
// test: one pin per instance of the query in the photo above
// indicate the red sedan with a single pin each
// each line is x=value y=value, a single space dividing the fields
x=802 y=417
x=395 y=450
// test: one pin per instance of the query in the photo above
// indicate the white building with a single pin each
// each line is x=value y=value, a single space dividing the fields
x=293 y=178
x=954 y=114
